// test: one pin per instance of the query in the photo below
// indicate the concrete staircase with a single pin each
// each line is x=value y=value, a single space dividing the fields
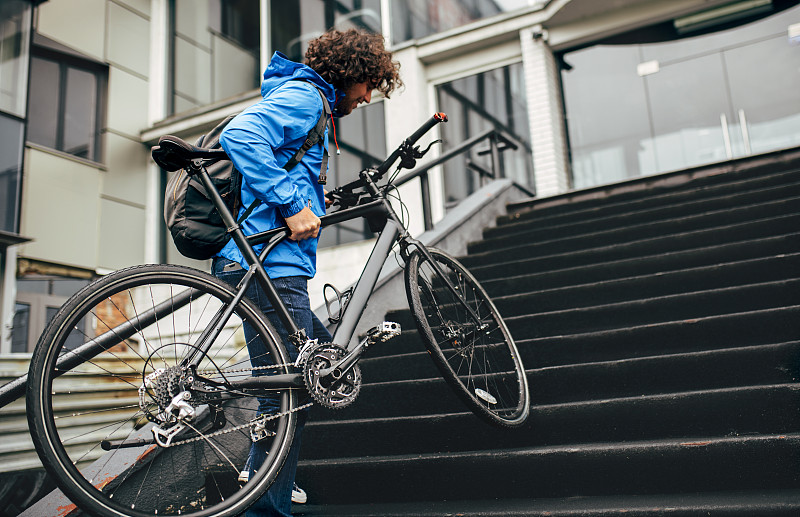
x=659 y=321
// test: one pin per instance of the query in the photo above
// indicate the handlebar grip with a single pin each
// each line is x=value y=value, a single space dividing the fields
x=424 y=128
x=416 y=135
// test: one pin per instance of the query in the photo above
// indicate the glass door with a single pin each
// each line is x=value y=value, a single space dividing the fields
x=641 y=109
x=692 y=118
x=764 y=79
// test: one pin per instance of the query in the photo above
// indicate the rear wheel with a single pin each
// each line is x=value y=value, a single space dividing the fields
x=467 y=338
x=123 y=421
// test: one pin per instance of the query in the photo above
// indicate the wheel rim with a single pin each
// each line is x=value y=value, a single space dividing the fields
x=480 y=355
x=198 y=474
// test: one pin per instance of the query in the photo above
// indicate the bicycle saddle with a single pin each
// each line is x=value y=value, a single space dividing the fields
x=173 y=153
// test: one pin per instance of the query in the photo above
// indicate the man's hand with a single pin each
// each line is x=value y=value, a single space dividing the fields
x=304 y=225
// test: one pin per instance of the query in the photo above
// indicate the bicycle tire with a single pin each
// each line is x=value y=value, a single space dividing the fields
x=482 y=366
x=134 y=335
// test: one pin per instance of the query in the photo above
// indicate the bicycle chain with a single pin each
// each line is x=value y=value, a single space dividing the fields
x=262 y=419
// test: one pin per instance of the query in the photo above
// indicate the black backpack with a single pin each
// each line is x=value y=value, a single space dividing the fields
x=196 y=227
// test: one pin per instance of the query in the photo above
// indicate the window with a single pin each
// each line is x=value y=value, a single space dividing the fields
x=294 y=24
x=215 y=51
x=15 y=22
x=362 y=143
x=11 y=131
x=413 y=19
x=38 y=299
x=67 y=95
x=636 y=109
x=493 y=99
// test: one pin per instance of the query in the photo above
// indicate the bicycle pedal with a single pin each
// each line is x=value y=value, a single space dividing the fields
x=384 y=332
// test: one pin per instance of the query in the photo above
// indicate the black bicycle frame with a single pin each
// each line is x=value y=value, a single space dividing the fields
x=380 y=209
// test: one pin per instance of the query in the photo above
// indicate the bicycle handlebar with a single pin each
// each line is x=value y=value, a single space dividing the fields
x=381 y=169
x=411 y=140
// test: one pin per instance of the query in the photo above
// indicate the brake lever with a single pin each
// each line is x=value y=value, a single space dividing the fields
x=419 y=154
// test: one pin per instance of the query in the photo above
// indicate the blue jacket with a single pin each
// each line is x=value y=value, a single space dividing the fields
x=260 y=140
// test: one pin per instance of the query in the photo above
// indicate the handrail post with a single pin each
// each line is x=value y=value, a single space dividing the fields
x=495 y=156
x=425 y=191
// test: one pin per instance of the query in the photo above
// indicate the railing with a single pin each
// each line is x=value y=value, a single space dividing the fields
x=499 y=141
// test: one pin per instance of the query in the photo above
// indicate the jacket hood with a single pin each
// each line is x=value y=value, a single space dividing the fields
x=281 y=69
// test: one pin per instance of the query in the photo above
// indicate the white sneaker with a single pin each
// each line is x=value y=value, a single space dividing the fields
x=298 y=495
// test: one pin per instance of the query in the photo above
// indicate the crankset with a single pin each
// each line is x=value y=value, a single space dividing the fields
x=337 y=389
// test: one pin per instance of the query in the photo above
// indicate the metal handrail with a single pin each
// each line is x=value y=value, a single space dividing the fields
x=496 y=137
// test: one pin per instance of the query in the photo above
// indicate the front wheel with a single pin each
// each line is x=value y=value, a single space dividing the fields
x=128 y=399
x=467 y=338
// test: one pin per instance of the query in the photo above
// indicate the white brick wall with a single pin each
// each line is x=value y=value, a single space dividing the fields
x=544 y=114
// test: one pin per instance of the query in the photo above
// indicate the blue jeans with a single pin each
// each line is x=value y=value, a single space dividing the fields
x=294 y=293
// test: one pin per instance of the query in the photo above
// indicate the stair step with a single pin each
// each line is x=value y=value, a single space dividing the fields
x=744 y=411
x=647 y=285
x=541 y=212
x=599 y=249
x=690 y=464
x=643 y=223
x=673 y=307
x=389 y=396
x=640 y=192
x=765 y=503
x=572 y=345
x=749 y=365
x=696 y=334
x=625 y=260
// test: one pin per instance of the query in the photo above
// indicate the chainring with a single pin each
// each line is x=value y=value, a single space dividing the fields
x=338 y=394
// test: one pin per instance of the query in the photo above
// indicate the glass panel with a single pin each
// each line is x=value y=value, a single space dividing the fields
x=602 y=86
x=493 y=99
x=192 y=74
x=66 y=287
x=413 y=19
x=31 y=285
x=216 y=51
x=362 y=142
x=11 y=145
x=14 y=43
x=293 y=24
x=79 y=114
x=19 y=330
x=699 y=100
x=690 y=113
x=764 y=93
x=43 y=111
x=76 y=337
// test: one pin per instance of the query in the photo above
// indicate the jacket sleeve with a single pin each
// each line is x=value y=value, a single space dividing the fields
x=262 y=138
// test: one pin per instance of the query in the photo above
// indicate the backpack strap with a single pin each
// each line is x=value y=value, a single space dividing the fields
x=316 y=134
x=313 y=137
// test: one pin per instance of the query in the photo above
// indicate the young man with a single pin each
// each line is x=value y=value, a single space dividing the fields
x=344 y=67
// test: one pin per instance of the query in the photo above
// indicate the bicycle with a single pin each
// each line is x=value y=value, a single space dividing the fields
x=172 y=335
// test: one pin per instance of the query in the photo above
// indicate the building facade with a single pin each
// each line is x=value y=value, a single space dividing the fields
x=593 y=91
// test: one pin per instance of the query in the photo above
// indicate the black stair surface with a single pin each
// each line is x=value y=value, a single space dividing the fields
x=659 y=324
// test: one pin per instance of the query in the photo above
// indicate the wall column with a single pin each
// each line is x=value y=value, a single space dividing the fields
x=545 y=113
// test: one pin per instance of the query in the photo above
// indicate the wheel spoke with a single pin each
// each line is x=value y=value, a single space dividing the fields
x=477 y=357
x=95 y=421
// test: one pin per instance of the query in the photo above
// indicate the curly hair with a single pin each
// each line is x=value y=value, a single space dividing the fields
x=345 y=58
